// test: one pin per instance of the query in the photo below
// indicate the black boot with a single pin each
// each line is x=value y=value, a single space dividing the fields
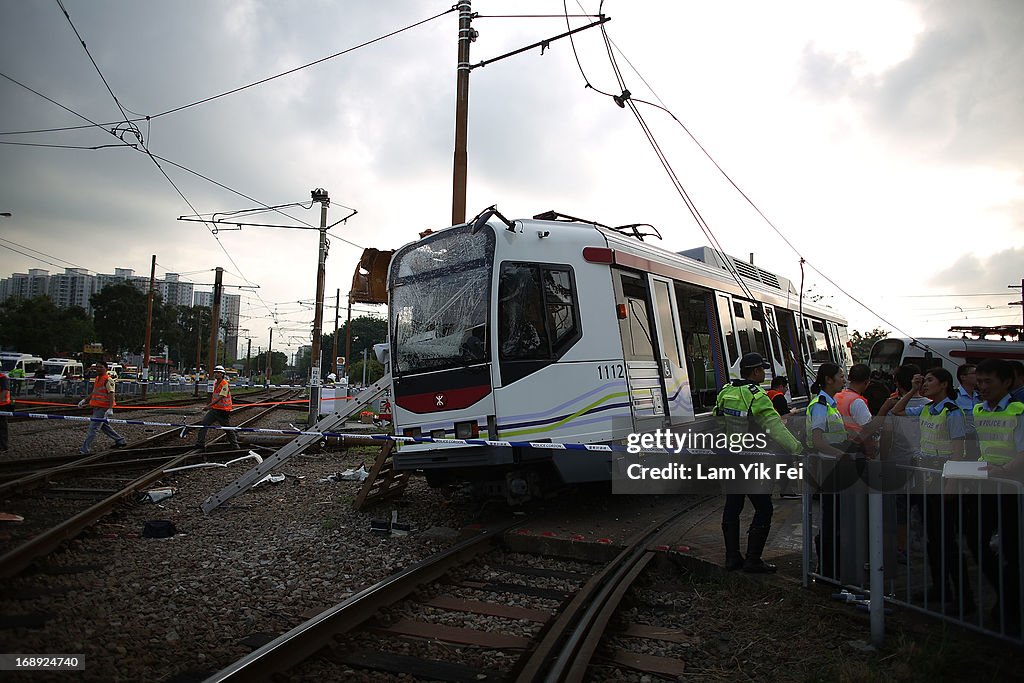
x=733 y=559
x=756 y=537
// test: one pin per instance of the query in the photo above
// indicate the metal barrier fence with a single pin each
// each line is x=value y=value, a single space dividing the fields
x=948 y=547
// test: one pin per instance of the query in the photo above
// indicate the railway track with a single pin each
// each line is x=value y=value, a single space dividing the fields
x=555 y=613
x=56 y=522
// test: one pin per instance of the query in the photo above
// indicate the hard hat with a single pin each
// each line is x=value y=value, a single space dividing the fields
x=219 y=368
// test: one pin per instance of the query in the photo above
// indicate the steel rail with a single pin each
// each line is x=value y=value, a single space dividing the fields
x=565 y=651
x=76 y=463
x=16 y=560
x=298 y=644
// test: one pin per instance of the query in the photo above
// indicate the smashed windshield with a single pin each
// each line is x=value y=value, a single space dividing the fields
x=440 y=295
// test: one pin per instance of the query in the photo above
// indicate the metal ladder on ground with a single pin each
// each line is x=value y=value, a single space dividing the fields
x=297 y=445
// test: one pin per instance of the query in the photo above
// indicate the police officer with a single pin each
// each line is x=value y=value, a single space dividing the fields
x=746 y=409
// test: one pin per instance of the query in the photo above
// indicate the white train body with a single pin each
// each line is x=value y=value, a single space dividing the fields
x=566 y=332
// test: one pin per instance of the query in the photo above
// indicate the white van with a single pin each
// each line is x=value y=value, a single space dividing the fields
x=58 y=369
x=25 y=362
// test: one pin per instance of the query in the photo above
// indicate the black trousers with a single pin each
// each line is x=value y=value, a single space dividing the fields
x=221 y=417
x=3 y=429
x=763 y=509
x=985 y=511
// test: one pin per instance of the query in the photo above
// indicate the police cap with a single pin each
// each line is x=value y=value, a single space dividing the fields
x=752 y=360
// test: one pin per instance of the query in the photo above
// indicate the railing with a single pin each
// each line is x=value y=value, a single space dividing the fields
x=949 y=547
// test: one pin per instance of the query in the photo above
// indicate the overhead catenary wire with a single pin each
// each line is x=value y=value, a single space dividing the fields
x=304 y=66
x=627 y=98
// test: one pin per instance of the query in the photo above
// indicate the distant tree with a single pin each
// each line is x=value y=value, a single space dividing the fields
x=862 y=343
x=302 y=362
x=37 y=326
x=119 y=314
x=367 y=330
x=192 y=328
x=374 y=371
x=76 y=329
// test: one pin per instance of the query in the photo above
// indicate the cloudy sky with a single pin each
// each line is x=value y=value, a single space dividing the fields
x=882 y=138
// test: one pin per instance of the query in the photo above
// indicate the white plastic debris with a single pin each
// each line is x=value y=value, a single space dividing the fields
x=355 y=475
x=270 y=478
x=156 y=495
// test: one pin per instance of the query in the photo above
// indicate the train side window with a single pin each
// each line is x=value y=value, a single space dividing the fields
x=700 y=339
x=638 y=327
x=522 y=333
x=728 y=327
x=537 y=311
x=560 y=301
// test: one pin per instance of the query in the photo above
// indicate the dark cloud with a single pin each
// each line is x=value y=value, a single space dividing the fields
x=989 y=274
x=959 y=94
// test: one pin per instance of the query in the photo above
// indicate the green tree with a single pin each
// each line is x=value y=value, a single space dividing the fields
x=862 y=343
x=374 y=371
x=367 y=330
x=37 y=326
x=193 y=328
x=119 y=315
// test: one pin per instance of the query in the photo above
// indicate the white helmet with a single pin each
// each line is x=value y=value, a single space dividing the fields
x=219 y=368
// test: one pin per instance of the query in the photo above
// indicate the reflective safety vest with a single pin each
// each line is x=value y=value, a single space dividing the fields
x=995 y=432
x=221 y=402
x=733 y=406
x=844 y=401
x=935 y=441
x=836 y=429
x=772 y=393
x=100 y=396
x=5 y=393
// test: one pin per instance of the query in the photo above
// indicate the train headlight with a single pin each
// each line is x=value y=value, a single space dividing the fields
x=467 y=430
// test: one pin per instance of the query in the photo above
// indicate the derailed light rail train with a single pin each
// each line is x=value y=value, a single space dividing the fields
x=555 y=330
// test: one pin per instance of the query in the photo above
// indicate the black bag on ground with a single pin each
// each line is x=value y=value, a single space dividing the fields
x=158 y=528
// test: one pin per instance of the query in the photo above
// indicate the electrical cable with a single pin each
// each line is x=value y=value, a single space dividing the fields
x=740 y=191
x=62 y=128
x=304 y=66
x=39 y=144
x=43 y=253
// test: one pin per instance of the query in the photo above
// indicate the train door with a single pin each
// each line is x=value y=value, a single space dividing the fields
x=773 y=334
x=643 y=370
x=792 y=352
x=669 y=345
x=730 y=336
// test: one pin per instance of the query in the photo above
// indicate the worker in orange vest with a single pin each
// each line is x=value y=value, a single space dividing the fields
x=102 y=402
x=219 y=409
x=6 y=405
x=854 y=408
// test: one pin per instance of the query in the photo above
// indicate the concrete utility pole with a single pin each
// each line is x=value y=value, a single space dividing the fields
x=214 y=328
x=466 y=36
x=248 y=355
x=149 y=329
x=318 y=195
x=348 y=341
x=199 y=349
x=270 y=357
x=334 y=347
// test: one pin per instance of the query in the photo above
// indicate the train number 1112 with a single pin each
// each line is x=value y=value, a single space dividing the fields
x=611 y=371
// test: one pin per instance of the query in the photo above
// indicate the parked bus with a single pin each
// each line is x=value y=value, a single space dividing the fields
x=568 y=331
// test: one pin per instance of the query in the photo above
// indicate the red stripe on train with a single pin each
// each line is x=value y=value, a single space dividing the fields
x=449 y=399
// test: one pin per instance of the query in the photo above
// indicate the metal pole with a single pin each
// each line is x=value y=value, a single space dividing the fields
x=149 y=328
x=334 y=346
x=461 y=113
x=364 y=367
x=199 y=348
x=248 y=354
x=270 y=357
x=319 y=195
x=877 y=606
x=348 y=341
x=211 y=354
